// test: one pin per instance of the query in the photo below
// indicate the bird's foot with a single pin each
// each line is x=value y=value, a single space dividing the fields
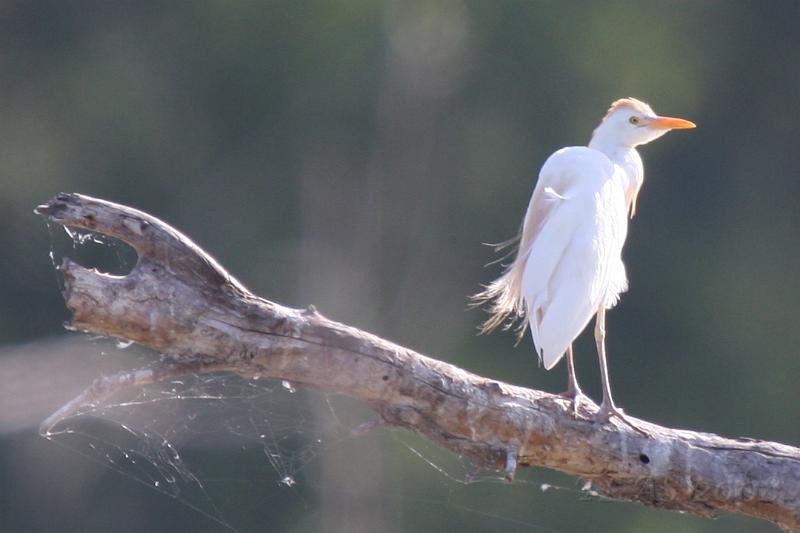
x=609 y=410
x=574 y=395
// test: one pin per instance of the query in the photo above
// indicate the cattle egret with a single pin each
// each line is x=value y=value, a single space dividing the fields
x=568 y=266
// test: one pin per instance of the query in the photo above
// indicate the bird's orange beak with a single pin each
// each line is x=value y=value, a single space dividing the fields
x=671 y=123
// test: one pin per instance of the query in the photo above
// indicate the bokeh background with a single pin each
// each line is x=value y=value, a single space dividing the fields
x=355 y=155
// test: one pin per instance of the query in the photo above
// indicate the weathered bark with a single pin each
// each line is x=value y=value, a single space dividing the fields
x=179 y=301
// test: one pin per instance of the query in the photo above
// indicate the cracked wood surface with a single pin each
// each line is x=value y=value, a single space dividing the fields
x=180 y=302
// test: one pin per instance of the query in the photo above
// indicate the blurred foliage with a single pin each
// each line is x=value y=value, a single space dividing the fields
x=355 y=155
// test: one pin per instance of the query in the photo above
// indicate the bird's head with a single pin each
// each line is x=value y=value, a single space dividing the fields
x=631 y=122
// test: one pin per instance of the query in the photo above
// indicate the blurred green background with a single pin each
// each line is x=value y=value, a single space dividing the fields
x=355 y=155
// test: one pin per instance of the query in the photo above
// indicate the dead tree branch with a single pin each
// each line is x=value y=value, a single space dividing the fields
x=180 y=302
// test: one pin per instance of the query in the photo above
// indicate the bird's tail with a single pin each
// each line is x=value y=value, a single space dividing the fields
x=504 y=296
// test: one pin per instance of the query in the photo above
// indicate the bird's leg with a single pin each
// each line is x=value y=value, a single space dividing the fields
x=607 y=407
x=572 y=380
x=573 y=391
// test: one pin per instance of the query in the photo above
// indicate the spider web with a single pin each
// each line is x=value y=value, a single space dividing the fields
x=191 y=438
x=206 y=439
x=203 y=440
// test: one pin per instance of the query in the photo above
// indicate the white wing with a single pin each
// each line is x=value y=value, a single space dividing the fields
x=570 y=247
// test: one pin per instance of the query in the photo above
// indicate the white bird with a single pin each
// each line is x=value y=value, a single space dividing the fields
x=568 y=266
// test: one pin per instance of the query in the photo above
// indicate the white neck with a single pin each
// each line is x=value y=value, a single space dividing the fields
x=614 y=149
x=623 y=156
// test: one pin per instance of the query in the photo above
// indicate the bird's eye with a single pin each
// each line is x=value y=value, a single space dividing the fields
x=634 y=120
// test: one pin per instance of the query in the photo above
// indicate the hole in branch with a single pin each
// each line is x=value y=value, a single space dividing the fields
x=91 y=250
x=644 y=459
